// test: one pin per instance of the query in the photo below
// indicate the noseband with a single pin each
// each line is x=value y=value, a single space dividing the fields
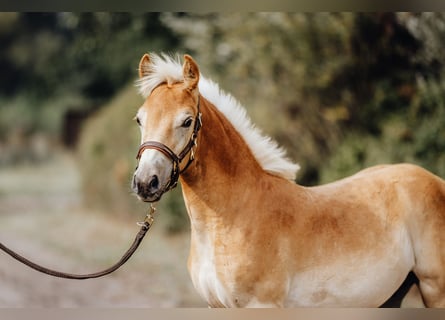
x=176 y=159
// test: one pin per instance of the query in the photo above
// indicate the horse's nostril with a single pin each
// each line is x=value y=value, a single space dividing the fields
x=154 y=183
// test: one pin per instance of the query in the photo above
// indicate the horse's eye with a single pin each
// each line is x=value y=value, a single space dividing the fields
x=138 y=121
x=187 y=123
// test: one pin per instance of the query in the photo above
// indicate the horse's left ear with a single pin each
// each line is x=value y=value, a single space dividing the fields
x=190 y=72
x=144 y=66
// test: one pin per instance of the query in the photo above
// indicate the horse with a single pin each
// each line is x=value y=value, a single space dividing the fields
x=258 y=238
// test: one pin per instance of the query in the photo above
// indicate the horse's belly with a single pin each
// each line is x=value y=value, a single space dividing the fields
x=359 y=283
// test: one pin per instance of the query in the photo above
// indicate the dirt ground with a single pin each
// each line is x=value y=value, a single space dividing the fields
x=42 y=217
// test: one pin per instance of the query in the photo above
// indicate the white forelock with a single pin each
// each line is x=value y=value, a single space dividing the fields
x=271 y=157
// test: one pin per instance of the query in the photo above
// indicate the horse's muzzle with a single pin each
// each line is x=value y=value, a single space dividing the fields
x=149 y=190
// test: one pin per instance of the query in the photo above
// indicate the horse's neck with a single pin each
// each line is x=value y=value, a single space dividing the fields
x=214 y=184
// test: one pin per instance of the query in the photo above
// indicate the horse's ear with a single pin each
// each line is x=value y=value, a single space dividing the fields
x=190 y=72
x=144 y=66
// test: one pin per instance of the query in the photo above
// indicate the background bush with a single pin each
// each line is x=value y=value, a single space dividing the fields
x=55 y=63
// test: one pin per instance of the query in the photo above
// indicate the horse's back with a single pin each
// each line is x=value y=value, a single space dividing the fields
x=419 y=193
x=398 y=179
x=402 y=171
x=399 y=193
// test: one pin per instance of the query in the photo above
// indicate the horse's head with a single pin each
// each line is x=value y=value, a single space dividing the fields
x=169 y=121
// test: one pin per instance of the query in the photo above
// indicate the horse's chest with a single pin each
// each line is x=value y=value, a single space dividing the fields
x=207 y=278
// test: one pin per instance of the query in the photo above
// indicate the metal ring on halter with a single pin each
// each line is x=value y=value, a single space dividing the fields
x=149 y=218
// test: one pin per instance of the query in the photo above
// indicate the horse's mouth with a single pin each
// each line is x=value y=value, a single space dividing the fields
x=150 y=199
x=153 y=197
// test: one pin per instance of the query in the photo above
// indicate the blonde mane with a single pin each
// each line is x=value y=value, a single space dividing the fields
x=272 y=158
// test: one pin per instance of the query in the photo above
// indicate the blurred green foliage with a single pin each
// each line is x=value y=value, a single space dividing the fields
x=340 y=91
x=52 y=63
x=106 y=153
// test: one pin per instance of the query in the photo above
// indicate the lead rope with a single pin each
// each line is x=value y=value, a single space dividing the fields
x=145 y=226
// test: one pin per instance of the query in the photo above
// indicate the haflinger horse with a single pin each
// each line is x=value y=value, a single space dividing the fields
x=260 y=239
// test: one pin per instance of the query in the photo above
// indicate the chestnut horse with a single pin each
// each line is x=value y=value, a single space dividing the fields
x=260 y=239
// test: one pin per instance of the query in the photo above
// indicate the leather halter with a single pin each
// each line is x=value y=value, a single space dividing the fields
x=176 y=159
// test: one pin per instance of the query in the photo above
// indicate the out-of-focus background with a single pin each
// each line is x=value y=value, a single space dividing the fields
x=340 y=91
